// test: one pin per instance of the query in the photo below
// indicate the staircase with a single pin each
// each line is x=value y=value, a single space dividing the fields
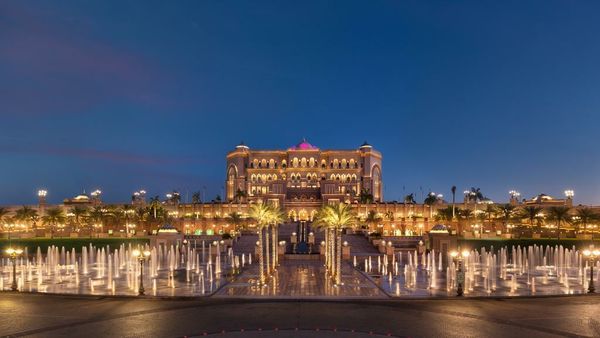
x=360 y=246
x=245 y=244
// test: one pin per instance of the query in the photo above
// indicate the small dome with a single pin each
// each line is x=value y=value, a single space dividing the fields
x=365 y=145
x=81 y=197
x=241 y=146
x=167 y=228
x=439 y=229
x=304 y=145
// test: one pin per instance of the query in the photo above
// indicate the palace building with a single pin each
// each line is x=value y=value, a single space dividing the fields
x=303 y=177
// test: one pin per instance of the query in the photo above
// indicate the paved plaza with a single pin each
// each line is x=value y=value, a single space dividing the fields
x=302 y=279
x=39 y=315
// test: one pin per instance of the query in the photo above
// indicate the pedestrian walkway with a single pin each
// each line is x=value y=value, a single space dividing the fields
x=301 y=279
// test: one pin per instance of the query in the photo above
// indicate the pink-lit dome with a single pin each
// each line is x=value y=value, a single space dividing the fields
x=304 y=145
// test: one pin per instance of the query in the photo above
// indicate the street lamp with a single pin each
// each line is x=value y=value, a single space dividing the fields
x=591 y=255
x=460 y=275
x=141 y=256
x=14 y=253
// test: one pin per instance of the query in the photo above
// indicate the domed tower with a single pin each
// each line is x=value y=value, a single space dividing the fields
x=371 y=171
x=237 y=162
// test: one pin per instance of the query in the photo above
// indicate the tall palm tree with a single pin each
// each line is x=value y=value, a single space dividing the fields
x=372 y=219
x=336 y=218
x=531 y=213
x=196 y=198
x=78 y=214
x=559 y=215
x=154 y=204
x=236 y=219
x=430 y=201
x=27 y=215
x=446 y=214
x=97 y=216
x=53 y=217
x=490 y=213
x=506 y=212
x=276 y=218
x=467 y=215
x=3 y=217
x=141 y=216
x=261 y=214
x=585 y=216
x=239 y=195
x=453 y=190
x=409 y=199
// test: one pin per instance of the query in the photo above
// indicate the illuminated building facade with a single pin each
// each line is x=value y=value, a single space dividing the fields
x=303 y=177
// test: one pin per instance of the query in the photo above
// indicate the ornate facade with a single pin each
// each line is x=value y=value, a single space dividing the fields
x=303 y=177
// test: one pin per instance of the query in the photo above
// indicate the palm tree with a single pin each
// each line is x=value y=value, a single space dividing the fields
x=446 y=214
x=372 y=219
x=277 y=217
x=453 y=190
x=97 y=216
x=531 y=213
x=154 y=204
x=430 y=201
x=365 y=196
x=585 y=216
x=261 y=214
x=53 y=217
x=141 y=216
x=336 y=218
x=490 y=212
x=239 y=195
x=196 y=198
x=78 y=213
x=236 y=219
x=559 y=215
x=3 y=213
x=507 y=212
x=467 y=215
x=27 y=215
x=409 y=199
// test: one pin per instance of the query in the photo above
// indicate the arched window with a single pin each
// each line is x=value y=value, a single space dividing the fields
x=295 y=162
x=311 y=162
x=284 y=164
x=271 y=163
x=336 y=163
x=344 y=163
x=264 y=163
x=303 y=162
x=352 y=163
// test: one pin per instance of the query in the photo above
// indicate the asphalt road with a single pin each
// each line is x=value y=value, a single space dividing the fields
x=76 y=316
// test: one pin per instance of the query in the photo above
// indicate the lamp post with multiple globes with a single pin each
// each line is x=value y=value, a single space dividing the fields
x=13 y=253
x=141 y=256
x=458 y=258
x=591 y=255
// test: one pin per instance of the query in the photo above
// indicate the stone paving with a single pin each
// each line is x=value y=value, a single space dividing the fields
x=84 y=316
x=302 y=279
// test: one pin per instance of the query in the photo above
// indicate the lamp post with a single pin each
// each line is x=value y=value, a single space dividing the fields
x=460 y=274
x=13 y=253
x=141 y=257
x=591 y=255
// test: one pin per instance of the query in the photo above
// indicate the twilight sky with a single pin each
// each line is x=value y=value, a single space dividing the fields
x=124 y=95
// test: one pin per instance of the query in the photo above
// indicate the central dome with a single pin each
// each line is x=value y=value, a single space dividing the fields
x=304 y=145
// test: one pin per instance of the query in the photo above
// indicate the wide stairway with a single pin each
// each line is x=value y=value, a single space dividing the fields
x=245 y=244
x=359 y=245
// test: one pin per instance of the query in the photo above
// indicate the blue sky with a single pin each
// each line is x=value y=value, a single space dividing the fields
x=124 y=95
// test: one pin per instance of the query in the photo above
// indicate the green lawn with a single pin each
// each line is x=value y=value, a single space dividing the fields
x=69 y=243
x=498 y=243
